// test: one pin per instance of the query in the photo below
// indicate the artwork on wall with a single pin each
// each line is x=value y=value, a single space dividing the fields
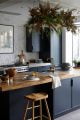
x=6 y=39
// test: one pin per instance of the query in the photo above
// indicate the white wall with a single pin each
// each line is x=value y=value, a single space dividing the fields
x=19 y=38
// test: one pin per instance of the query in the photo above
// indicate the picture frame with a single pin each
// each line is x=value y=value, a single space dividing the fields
x=6 y=39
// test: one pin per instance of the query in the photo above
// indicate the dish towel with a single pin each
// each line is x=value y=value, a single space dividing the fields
x=55 y=81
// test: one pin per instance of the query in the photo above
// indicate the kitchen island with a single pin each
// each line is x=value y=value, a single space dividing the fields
x=12 y=94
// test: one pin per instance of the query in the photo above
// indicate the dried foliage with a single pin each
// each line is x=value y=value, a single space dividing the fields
x=52 y=17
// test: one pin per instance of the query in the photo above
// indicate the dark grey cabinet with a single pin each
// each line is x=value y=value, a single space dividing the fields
x=45 y=40
x=32 y=41
x=45 y=44
x=67 y=96
x=62 y=97
x=48 y=43
x=51 y=46
x=76 y=92
x=43 y=68
x=33 y=69
x=40 y=69
x=56 y=48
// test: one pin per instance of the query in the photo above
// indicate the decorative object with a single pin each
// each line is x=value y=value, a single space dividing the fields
x=11 y=72
x=52 y=69
x=22 y=59
x=4 y=78
x=33 y=76
x=52 y=17
x=6 y=39
x=65 y=66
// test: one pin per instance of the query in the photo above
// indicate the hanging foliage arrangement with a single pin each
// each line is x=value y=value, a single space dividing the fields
x=52 y=17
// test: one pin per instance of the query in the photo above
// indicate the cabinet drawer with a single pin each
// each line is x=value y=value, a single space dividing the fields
x=33 y=69
x=43 y=68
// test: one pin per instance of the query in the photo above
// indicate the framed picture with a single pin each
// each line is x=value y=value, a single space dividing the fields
x=6 y=39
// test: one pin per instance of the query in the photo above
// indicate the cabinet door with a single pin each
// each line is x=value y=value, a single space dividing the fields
x=45 y=40
x=76 y=92
x=29 y=46
x=44 y=44
x=56 y=48
x=35 y=41
x=62 y=97
x=32 y=41
x=33 y=69
x=43 y=68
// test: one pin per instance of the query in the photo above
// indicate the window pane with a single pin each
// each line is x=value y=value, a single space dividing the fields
x=76 y=44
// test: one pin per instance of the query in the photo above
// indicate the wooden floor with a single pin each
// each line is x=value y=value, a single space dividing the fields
x=75 y=115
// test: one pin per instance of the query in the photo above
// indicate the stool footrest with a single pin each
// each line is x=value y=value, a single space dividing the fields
x=34 y=107
x=34 y=118
x=45 y=117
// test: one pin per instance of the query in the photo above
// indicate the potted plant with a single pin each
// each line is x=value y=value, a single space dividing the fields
x=52 y=17
x=76 y=63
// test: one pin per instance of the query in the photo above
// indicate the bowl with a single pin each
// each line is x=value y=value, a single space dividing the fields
x=33 y=78
x=65 y=66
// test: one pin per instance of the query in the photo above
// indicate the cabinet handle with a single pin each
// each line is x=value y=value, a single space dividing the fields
x=32 y=47
x=71 y=82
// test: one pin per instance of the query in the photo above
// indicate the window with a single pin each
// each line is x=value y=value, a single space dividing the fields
x=70 y=46
x=76 y=44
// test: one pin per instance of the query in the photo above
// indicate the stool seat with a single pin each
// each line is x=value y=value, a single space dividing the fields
x=37 y=96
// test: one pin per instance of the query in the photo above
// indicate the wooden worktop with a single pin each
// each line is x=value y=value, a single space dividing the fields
x=19 y=82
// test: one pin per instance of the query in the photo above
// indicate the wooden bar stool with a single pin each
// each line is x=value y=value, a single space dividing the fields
x=33 y=98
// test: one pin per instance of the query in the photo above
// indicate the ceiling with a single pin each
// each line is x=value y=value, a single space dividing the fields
x=19 y=7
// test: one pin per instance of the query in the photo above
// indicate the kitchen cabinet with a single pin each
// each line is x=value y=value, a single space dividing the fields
x=44 y=53
x=56 y=48
x=50 y=46
x=76 y=92
x=45 y=40
x=67 y=96
x=48 y=43
x=33 y=69
x=40 y=69
x=62 y=97
x=32 y=41
x=12 y=102
x=43 y=68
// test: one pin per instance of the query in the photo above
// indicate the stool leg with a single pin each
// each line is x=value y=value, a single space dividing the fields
x=33 y=110
x=40 y=110
x=26 y=111
x=47 y=109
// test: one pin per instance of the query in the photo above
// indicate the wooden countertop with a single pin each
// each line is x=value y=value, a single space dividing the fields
x=74 y=72
x=19 y=82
